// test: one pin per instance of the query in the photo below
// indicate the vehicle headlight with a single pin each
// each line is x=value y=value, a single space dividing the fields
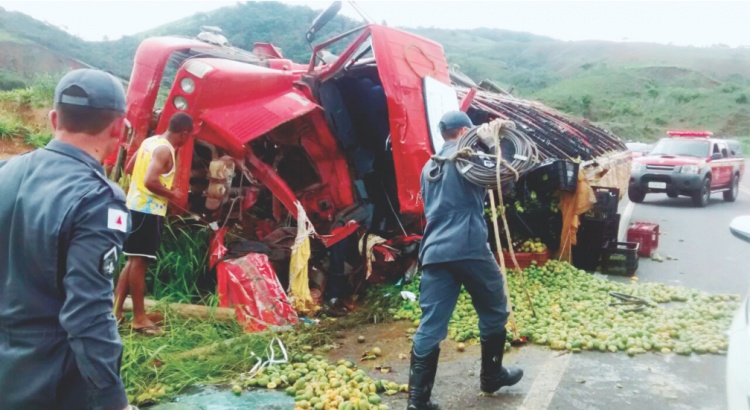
x=180 y=103
x=187 y=84
x=637 y=166
x=690 y=169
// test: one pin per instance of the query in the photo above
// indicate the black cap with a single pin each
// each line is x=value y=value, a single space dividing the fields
x=452 y=120
x=102 y=90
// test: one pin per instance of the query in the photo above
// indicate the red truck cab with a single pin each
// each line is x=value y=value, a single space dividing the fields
x=690 y=163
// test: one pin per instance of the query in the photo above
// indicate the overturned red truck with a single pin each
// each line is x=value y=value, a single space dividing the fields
x=345 y=136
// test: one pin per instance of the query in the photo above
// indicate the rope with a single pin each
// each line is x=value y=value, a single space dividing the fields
x=477 y=166
x=496 y=134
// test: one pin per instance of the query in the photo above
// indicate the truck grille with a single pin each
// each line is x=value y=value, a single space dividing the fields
x=660 y=167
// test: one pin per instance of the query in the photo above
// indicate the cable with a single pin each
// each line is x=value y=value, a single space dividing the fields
x=478 y=167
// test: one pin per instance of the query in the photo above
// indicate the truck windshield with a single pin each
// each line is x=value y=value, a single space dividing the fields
x=681 y=147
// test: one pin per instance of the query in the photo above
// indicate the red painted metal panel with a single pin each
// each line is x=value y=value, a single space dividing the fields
x=403 y=60
x=250 y=119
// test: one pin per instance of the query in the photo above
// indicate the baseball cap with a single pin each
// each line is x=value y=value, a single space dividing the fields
x=101 y=90
x=452 y=120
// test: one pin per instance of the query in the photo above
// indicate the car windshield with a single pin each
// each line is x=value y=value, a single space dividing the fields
x=638 y=147
x=681 y=147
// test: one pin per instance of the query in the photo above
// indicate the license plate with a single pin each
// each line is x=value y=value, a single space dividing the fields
x=657 y=185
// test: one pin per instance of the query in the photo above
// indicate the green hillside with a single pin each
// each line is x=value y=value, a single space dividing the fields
x=637 y=90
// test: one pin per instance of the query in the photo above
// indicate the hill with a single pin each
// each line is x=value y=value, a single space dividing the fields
x=638 y=90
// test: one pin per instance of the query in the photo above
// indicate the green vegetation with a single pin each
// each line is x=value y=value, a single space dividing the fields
x=148 y=363
x=38 y=94
x=10 y=128
x=637 y=90
x=181 y=271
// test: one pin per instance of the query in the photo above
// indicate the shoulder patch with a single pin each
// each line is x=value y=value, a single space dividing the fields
x=117 y=220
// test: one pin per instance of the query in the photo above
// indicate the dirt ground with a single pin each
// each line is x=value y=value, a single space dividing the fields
x=13 y=147
x=457 y=381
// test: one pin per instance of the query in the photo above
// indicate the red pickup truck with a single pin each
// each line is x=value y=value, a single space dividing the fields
x=690 y=163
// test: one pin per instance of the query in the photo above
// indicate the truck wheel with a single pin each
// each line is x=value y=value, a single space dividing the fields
x=734 y=189
x=701 y=196
x=636 y=195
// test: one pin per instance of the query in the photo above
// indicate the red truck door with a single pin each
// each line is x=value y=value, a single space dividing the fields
x=721 y=168
x=404 y=60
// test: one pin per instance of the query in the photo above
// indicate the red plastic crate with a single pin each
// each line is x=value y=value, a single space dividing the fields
x=525 y=258
x=646 y=234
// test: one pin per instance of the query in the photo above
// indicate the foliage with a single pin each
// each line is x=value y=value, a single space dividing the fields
x=10 y=80
x=149 y=363
x=10 y=128
x=181 y=272
x=636 y=90
x=38 y=139
x=38 y=94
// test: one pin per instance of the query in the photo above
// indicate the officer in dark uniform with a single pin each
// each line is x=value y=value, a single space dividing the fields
x=455 y=252
x=63 y=225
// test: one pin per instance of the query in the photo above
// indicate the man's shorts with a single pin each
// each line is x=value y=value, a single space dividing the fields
x=145 y=235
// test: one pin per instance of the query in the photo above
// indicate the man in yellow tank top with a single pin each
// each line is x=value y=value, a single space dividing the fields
x=153 y=171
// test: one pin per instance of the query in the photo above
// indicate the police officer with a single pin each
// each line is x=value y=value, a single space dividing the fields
x=454 y=252
x=63 y=225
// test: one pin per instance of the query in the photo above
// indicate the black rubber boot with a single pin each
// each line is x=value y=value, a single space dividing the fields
x=493 y=375
x=421 y=379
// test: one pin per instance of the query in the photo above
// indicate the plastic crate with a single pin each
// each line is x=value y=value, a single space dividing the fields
x=553 y=175
x=594 y=232
x=620 y=258
x=646 y=234
x=606 y=202
x=525 y=258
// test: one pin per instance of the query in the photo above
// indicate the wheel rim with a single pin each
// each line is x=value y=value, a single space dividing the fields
x=706 y=190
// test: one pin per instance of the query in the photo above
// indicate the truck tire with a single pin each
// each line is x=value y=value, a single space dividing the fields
x=734 y=189
x=703 y=195
x=636 y=195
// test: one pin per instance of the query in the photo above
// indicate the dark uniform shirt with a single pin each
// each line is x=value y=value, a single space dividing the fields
x=63 y=224
x=454 y=208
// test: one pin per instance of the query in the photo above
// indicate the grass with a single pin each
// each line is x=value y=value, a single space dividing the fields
x=9 y=128
x=39 y=94
x=181 y=272
x=148 y=363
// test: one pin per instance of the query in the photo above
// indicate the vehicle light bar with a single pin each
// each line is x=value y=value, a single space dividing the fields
x=690 y=133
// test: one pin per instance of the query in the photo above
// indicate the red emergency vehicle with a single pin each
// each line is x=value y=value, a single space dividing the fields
x=690 y=163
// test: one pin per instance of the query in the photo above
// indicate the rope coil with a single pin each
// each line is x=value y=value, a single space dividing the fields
x=478 y=167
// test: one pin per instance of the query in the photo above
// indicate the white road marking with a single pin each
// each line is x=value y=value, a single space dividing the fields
x=545 y=385
x=625 y=220
x=745 y=190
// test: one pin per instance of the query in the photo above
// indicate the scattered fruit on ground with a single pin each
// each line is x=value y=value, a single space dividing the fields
x=318 y=384
x=573 y=313
x=361 y=339
x=461 y=347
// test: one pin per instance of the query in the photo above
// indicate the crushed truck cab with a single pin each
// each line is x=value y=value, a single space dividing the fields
x=690 y=163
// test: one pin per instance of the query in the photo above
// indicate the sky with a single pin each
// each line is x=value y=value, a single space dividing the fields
x=697 y=23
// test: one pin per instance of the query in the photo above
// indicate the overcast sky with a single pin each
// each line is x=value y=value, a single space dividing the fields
x=697 y=23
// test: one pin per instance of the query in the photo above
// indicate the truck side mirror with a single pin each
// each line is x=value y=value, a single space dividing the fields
x=322 y=19
x=716 y=155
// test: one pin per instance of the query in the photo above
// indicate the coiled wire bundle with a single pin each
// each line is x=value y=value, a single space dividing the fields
x=477 y=163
